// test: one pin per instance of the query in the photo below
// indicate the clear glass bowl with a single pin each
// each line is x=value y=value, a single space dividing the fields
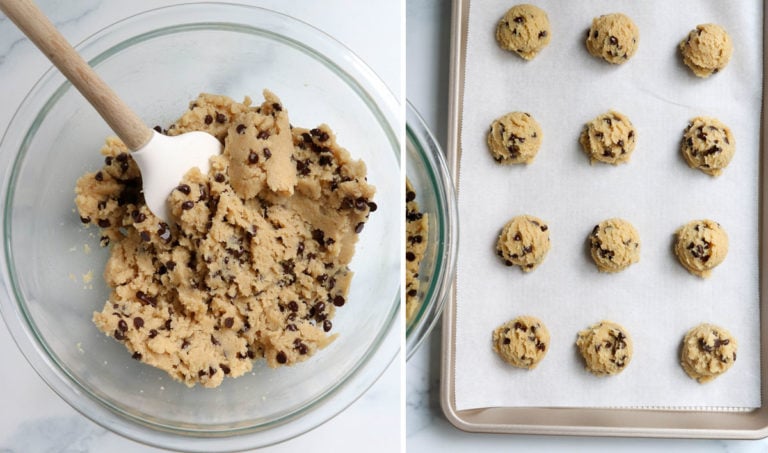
x=158 y=61
x=435 y=193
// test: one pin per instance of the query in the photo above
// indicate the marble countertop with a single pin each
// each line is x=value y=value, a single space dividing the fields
x=34 y=418
x=427 y=63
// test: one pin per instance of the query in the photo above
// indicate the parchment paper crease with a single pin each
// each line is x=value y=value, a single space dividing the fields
x=656 y=299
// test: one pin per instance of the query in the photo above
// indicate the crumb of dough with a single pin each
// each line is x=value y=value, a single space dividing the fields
x=255 y=264
x=416 y=235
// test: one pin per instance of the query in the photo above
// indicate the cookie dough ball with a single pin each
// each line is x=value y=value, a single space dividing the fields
x=522 y=342
x=514 y=138
x=708 y=351
x=524 y=242
x=609 y=138
x=614 y=244
x=613 y=37
x=700 y=246
x=708 y=145
x=606 y=348
x=524 y=29
x=707 y=49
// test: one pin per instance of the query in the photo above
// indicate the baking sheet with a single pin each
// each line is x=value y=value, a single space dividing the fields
x=656 y=300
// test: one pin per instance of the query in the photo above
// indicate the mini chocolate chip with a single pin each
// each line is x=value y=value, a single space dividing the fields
x=302 y=349
x=507 y=340
x=327 y=325
x=144 y=236
x=359 y=227
x=108 y=160
x=361 y=203
x=208 y=119
x=267 y=153
x=263 y=135
x=293 y=306
x=291 y=327
x=594 y=35
x=277 y=107
x=214 y=341
x=613 y=40
x=542 y=34
x=544 y=228
x=104 y=223
x=183 y=188
x=410 y=256
x=325 y=161
x=372 y=207
x=99 y=176
x=519 y=19
x=224 y=368
x=138 y=322
x=219 y=177
x=520 y=326
x=122 y=157
x=518 y=237
x=410 y=196
x=281 y=357
x=122 y=325
x=241 y=128
x=253 y=158
x=85 y=219
x=152 y=333
x=338 y=301
x=220 y=118
x=136 y=355
x=229 y=322
x=118 y=335
x=187 y=205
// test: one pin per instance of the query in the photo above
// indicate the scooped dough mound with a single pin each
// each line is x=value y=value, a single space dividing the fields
x=254 y=265
x=708 y=351
x=707 y=49
x=614 y=245
x=523 y=242
x=613 y=37
x=525 y=30
x=701 y=245
x=606 y=348
x=609 y=138
x=708 y=145
x=514 y=138
x=522 y=342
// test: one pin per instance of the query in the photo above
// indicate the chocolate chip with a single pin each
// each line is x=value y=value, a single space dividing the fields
x=220 y=118
x=518 y=237
x=122 y=325
x=519 y=326
x=122 y=157
x=85 y=219
x=544 y=228
x=241 y=128
x=224 y=368
x=263 y=135
x=327 y=325
x=519 y=19
x=542 y=34
x=325 y=161
x=214 y=341
x=183 y=188
x=99 y=176
x=229 y=322
x=339 y=301
x=253 y=158
x=118 y=335
x=594 y=35
x=507 y=340
x=359 y=227
x=318 y=236
x=208 y=119
x=104 y=223
x=410 y=196
x=152 y=333
x=281 y=357
x=277 y=107
x=410 y=256
x=372 y=207
x=361 y=203
x=613 y=40
x=302 y=349
x=291 y=327
x=144 y=236
x=138 y=322
x=267 y=153
x=187 y=205
x=293 y=306
x=219 y=177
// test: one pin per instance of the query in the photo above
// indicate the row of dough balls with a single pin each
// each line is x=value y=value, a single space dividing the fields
x=707 y=144
x=525 y=30
x=700 y=245
x=707 y=351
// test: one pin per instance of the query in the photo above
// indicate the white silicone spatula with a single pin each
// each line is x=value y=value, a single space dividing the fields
x=162 y=160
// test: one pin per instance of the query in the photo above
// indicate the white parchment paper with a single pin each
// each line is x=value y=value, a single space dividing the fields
x=656 y=299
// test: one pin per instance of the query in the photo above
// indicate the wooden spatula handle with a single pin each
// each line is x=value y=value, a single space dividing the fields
x=123 y=121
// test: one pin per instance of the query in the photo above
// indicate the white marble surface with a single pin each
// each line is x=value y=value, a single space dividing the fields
x=427 y=63
x=33 y=418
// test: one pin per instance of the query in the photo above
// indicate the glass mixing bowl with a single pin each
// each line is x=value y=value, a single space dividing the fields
x=436 y=196
x=51 y=265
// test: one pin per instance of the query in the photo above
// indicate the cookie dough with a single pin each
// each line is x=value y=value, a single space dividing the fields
x=708 y=145
x=522 y=342
x=255 y=264
x=613 y=37
x=524 y=242
x=416 y=234
x=524 y=29
x=609 y=138
x=701 y=245
x=514 y=138
x=708 y=351
x=606 y=348
x=706 y=50
x=614 y=245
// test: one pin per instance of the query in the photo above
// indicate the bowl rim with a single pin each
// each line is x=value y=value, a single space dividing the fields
x=431 y=156
x=384 y=348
